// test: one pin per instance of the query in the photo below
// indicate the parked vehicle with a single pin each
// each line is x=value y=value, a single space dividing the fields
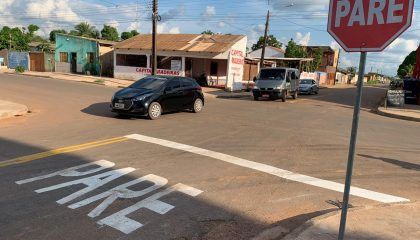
x=154 y=95
x=308 y=86
x=276 y=83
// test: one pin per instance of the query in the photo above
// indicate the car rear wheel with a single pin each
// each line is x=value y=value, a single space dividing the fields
x=155 y=110
x=295 y=95
x=198 y=105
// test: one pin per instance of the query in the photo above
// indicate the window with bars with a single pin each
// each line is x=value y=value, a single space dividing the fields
x=90 y=57
x=64 y=57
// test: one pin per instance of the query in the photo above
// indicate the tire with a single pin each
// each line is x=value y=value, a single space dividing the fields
x=155 y=110
x=198 y=105
x=256 y=98
x=316 y=92
x=295 y=95
x=284 y=96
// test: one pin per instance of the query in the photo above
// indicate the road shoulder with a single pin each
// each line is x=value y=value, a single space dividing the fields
x=11 y=109
x=410 y=114
x=377 y=222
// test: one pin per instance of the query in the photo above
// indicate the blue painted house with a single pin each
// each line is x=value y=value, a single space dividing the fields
x=76 y=54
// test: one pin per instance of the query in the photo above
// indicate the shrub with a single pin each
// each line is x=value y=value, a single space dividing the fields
x=20 y=69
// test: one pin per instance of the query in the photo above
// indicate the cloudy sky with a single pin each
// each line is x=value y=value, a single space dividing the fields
x=303 y=20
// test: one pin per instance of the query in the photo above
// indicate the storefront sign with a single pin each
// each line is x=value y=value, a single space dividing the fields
x=148 y=71
x=235 y=70
x=176 y=65
x=395 y=98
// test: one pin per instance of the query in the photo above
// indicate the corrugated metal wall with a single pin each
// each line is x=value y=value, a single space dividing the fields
x=18 y=59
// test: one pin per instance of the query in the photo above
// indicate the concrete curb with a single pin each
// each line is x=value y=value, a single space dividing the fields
x=10 y=109
x=396 y=116
x=299 y=230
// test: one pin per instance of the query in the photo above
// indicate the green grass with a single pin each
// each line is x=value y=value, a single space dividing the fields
x=99 y=81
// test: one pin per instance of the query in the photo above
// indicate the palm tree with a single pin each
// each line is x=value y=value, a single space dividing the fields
x=84 y=29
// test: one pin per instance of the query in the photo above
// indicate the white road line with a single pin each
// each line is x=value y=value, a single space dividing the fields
x=338 y=187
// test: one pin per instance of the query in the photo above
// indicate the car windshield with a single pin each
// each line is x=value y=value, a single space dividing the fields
x=149 y=83
x=272 y=74
x=306 y=81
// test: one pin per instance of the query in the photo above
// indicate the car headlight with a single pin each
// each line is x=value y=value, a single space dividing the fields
x=256 y=88
x=142 y=97
x=278 y=87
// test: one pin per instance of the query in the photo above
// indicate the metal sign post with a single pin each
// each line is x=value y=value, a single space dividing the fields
x=352 y=148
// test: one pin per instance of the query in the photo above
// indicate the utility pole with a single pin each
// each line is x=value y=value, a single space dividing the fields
x=154 y=29
x=10 y=41
x=265 y=40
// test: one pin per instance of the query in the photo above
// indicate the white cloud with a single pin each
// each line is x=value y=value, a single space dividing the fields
x=209 y=12
x=133 y=26
x=221 y=24
x=291 y=5
x=165 y=28
x=334 y=45
x=113 y=23
x=303 y=39
x=174 y=30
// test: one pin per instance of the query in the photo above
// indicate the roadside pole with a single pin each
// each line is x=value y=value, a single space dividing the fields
x=265 y=40
x=155 y=17
x=352 y=148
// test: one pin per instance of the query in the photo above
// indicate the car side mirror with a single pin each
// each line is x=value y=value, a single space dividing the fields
x=288 y=79
x=167 y=89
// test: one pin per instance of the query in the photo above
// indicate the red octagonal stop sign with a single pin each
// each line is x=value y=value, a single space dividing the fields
x=368 y=25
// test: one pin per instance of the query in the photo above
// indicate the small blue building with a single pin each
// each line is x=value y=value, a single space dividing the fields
x=76 y=54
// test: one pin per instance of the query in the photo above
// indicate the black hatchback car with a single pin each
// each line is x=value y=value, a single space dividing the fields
x=154 y=95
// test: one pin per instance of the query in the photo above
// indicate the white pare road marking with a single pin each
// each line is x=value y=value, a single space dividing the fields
x=121 y=191
x=118 y=220
x=126 y=225
x=338 y=187
x=73 y=171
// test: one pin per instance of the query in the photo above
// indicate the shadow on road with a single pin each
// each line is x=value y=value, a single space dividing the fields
x=192 y=217
x=402 y=164
x=103 y=110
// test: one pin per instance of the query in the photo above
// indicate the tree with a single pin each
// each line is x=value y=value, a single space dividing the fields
x=84 y=29
x=208 y=32
x=316 y=63
x=407 y=66
x=109 y=33
x=17 y=38
x=271 y=41
x=295 y=51
x=126 y=35
x=32 y=29
x=54 y=32
x=134 y=33
x=352 y=73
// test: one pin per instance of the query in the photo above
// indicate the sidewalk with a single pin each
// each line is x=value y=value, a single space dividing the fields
x=409 y=112
x=384 y=222
x=10 y=109
x=112 y=82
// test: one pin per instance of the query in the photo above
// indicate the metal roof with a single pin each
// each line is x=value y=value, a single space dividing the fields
x=217 y=43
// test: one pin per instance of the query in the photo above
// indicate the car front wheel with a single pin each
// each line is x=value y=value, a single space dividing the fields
x=198 y=105
x=155 y=110
x=284 y=96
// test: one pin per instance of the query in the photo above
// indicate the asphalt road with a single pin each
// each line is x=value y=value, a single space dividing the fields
x=224 y=157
